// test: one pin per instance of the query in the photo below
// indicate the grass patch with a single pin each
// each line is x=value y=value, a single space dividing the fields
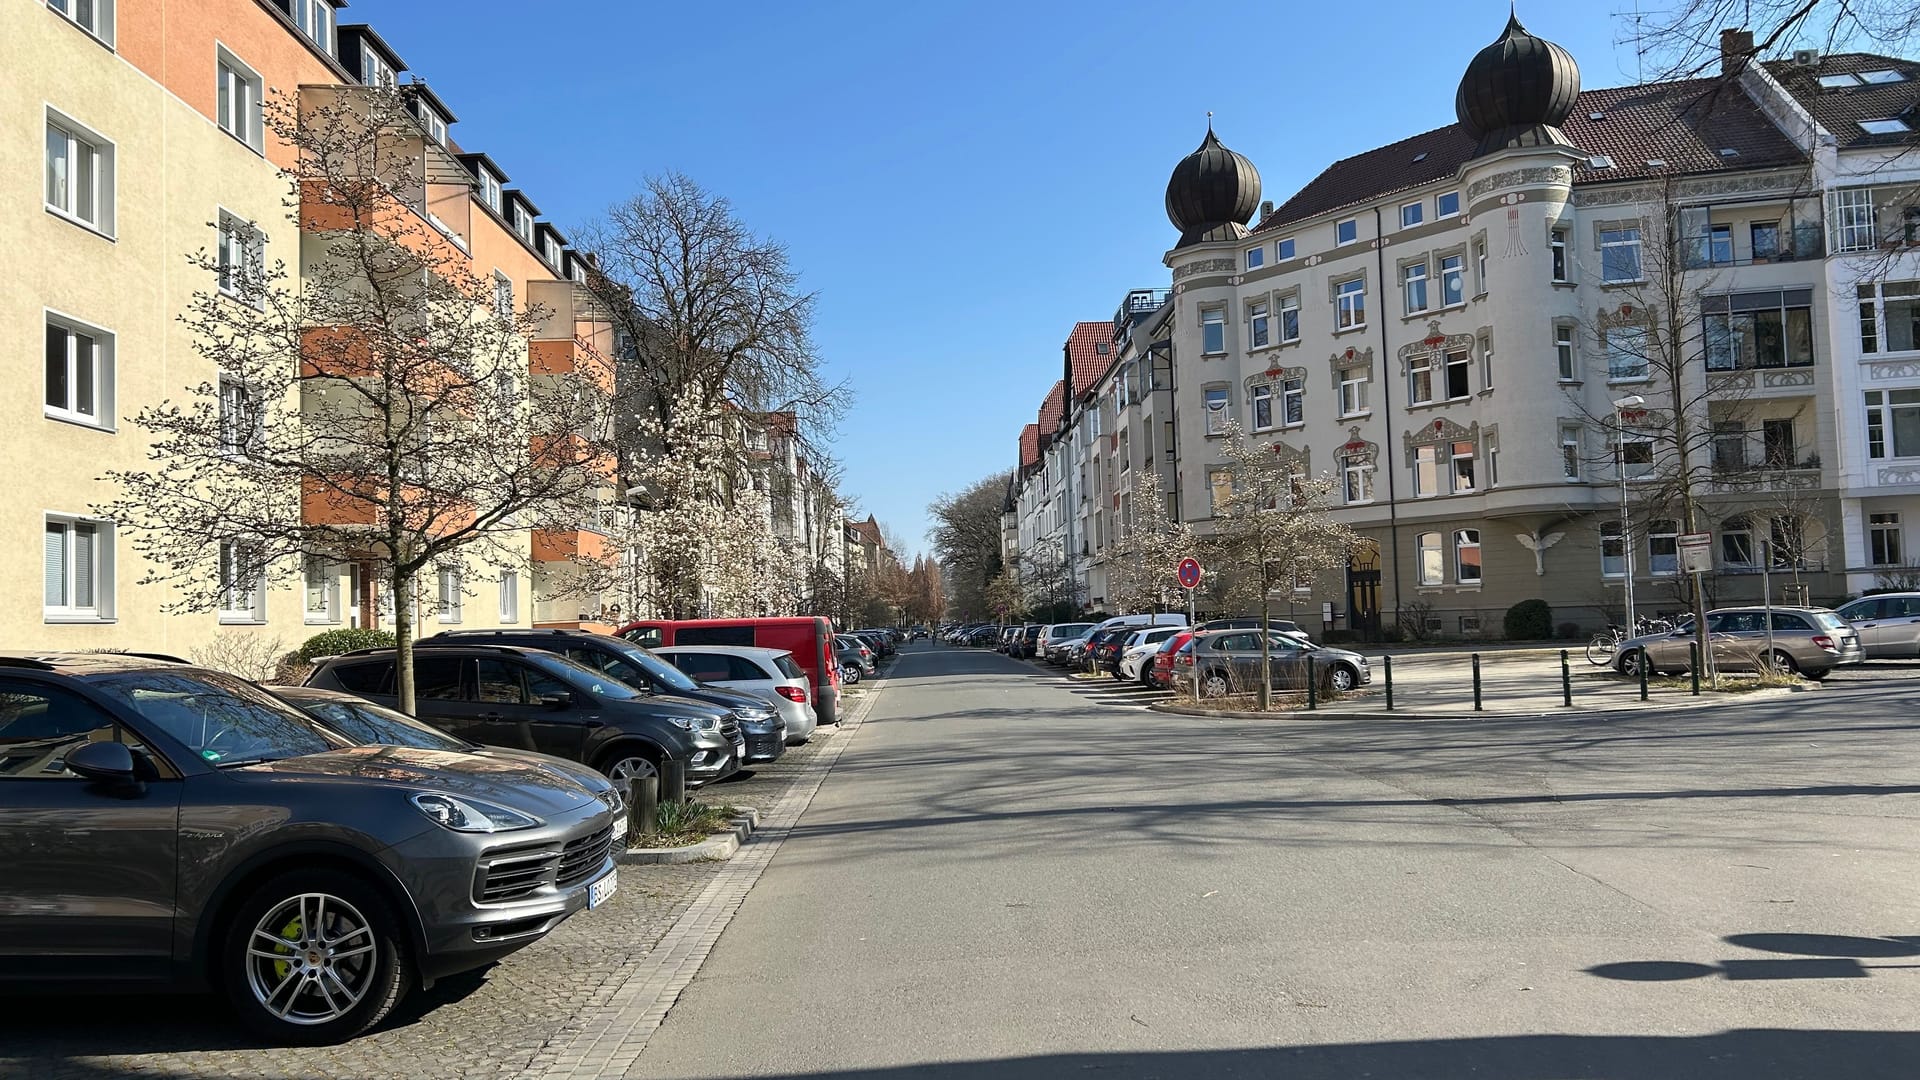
x=1745 y=682
x=1282 y=701
x=685 y=823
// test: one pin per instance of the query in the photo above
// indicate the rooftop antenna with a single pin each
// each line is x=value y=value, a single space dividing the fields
x=1209 y=121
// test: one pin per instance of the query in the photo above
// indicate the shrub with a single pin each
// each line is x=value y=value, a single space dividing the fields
x=344 y=640
x=248 y=655
x=1530 y=620
x=1569 y=631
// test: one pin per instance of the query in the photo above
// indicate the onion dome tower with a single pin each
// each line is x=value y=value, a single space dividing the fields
x=1517 y=92
x=1212 y=194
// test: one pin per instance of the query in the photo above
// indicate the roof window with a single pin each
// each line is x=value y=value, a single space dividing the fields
x=1728 y=151
x=1420 y=157
x=1656 y=163
x=1889 y=126
x=1600 y=161
x=1596 y=116
x=1840 y=81
x=1881 y=77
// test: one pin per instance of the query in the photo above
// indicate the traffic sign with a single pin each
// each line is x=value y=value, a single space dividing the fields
x=1696 y=552
x=1189 y=573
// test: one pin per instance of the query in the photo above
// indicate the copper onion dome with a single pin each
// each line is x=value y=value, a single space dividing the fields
x=1212 y=194
x=1517 y=92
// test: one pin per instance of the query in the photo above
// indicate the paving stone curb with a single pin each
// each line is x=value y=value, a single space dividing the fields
x=609 y=1037
x=720 y=845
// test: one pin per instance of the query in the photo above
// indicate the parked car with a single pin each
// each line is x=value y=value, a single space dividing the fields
x=1059 y=637
x=1103 y=648
x=846 y=654
x=1159 y=673
x=1134 y=622
x=172 y=827
x=769 y=674
x=636 y=667
x=1281 y=626
x=1026 y=641
x=1226 y=661
x=867 y=659
x=878 y=642
x=1807 y=641
x=531 y=699
x=1138 y=649
x=1888 y=624
x=808 y=638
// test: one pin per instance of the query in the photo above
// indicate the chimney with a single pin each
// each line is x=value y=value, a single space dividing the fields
x=1736 y=50
x=1266 y=208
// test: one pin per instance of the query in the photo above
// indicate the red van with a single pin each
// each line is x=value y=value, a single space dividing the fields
x=808 y=638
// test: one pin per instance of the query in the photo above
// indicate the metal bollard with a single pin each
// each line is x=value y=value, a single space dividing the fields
x=1693 y=664
x=673 y=780
x=1313 y=685
x=1642 y=665
x=1386 y=663
x=1566 y=681
x=643 y=806
x=1476 y=682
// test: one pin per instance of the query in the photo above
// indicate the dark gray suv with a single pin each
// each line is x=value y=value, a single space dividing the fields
x=165 y=825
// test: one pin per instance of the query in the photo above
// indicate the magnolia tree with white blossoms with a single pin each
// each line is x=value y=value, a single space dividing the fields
x=1143 y=575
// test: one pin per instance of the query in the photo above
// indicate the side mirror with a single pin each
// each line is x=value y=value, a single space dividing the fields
x=561 y=700
x=101 y=762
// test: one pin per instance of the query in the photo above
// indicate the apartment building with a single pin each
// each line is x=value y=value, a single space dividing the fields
x=1457 y=328
x=150 y=120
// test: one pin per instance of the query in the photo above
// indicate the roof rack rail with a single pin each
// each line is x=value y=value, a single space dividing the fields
x=168 y=657
x=33 y=662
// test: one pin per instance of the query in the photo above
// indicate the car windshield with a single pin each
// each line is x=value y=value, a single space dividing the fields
x=597 y=683
x=363 y=721
x=225 y=720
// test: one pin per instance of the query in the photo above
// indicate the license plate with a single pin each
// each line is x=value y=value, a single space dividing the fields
x=599 y=891
x=740 y=748
x=619 y=827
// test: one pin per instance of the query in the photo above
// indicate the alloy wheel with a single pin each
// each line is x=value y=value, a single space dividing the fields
x=311 y=959
x=632 y=768
x=1341 y=678
x=1215 y=686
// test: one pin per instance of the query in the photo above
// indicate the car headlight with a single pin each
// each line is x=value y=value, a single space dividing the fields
x=470 y=815
x=695 y=723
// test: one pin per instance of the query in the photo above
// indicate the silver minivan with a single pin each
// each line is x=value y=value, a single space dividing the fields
x=1888 y=624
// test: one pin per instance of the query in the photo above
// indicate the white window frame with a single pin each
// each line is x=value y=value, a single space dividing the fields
x=315 y=19
x=1283 y=249
x=1572 y=454
x=1490 y=443
x=1565 y=357
x=235 y=234
x=551 y=249
x=1458 y=361
x=1213 y=317
x=1851 y=225
x=325 y=574
x=1663 y=532
x=1413 y=214
x=238 y=404
x=1430 y=553
x=1881 y=411
x=1453 y=268
x=1636 y=470
x=1637 y=354
x=1216 y=478
x=430 y=119
x=502 y=295
x=1261 y=394
x=1425 y=367
x=1606 y=245
x=1357 y=479
x=1459 y=482
x=1259 y=324
x=1480 y=264
x=241 y=603
x=78 y=137
x=1256 y=257
x=374 y=69
x=490 y=189
x=236 y=112
x=509 y=597
x=1287 y=311
x=1353 y=391
x=102 y=29
x=450 y=604
x=1215 y=413
x=101 y=566
x=100 y=367
x=1293 y=402
x=1413 y=278
x=1350 y=225
x=1426 y=472
x=1350 y=305
x=1613 y=532
x=1464 y=539
x=1440 y=210
x=1559 y=266
x=1891 y=125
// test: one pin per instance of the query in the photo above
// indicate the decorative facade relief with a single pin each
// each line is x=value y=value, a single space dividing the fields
x=1287 y=452
x=1730 y=382
x=1436 y=341
x=1349 y=359
x=1889 y=370
x=1205 y=266
x=1275 y=375
x=1356 y=450
x=1909 y=474
x=1786 y=186
x=1776 y=380
x=1551 y=174
x=1439 y=431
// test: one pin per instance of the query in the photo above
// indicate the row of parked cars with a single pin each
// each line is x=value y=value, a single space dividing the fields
x=1214 y=659
x=313 y=853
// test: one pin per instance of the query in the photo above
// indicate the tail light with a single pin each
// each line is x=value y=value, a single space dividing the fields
x=1823 y=641
x=793 y=693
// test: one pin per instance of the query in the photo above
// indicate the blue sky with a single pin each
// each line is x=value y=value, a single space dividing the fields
x=959 y=183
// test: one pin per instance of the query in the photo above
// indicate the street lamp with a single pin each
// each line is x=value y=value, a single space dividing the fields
x=1620 y=407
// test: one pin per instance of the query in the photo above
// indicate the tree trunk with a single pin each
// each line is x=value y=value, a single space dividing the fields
x=1266 y=644
x=403 y=637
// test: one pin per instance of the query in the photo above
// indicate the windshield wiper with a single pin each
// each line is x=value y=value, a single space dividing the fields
x=235 y=763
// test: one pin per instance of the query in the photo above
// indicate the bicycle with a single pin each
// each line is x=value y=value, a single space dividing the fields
x=1601 y=648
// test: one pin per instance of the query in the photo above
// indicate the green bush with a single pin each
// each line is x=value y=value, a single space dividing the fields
x=344 y=640
x=1530 y=620
x=1569 y=631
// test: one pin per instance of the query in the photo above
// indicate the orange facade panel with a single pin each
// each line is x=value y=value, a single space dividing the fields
x=564 y=452
x=562 y=357
x=325 y=208
x=363 y=503
x=567 y=545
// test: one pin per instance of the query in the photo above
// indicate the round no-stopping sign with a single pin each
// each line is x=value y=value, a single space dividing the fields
x=1189 y=573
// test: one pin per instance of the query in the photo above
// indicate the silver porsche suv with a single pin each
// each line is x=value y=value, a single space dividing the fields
x=167 y=826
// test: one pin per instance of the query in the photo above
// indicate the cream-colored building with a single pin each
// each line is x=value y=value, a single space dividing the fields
x=148 y=121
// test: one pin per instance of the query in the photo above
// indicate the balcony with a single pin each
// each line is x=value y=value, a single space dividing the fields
x=1733 y=479
x=569 y=545
x=379 y=170
x=361 y=503
x=568 y=357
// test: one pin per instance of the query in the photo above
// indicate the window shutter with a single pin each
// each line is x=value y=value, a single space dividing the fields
x=56 y=563
x=82 y=565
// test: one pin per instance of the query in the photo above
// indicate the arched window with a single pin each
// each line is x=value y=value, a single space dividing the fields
x=1466 y=556
x=1433 y=561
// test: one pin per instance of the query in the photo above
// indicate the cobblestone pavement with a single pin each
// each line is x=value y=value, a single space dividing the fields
x=509 y=1020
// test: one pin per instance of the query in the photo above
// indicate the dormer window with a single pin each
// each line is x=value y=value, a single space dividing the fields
x=315 y=19
x=580 y=271
x=490 y=189
x=522 y=223
x=435 y=124
x=374 y=69
x=552 y=249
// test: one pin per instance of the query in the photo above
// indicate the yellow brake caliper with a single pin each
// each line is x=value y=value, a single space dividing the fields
x=291 y=932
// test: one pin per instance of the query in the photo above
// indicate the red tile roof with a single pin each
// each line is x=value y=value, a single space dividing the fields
x=1030 y=446
x=1053 y=408
x=1090 y=350
x=1682 y=123
x=868 y=531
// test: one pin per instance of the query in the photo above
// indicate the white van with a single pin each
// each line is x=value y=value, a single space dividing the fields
x=1167 y=619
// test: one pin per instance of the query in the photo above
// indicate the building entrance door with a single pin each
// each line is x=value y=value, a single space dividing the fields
x=1363 y=590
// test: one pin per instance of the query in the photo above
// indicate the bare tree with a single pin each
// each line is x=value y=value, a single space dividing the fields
x=376 y=407
x=966 y=535
x=1051 y=584
x=1276 y=527
x=1681 y=40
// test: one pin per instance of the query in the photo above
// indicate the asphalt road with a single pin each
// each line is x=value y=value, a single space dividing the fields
x=1004 y=879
